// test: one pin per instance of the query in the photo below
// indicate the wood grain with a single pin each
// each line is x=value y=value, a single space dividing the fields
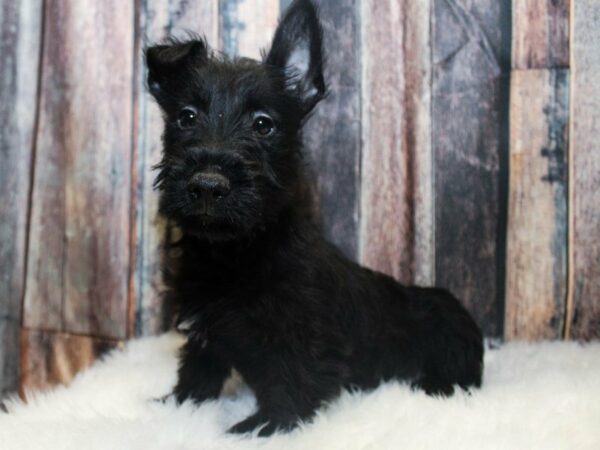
x=55 y=358
x=157 y=19
x=43 y=304
x=540 y=34
x=20 y=25
x=471 y=58
x=247 y=26
x=584 y=296
x=536 y=263
x=396 y=223
x=78 y=259
x=180 y=17
x=332 y=134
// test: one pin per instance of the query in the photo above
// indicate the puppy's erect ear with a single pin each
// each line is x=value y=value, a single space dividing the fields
x=170 y=62
x=297 y=49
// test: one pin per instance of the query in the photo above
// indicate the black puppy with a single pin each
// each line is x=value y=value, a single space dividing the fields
x=257 y=288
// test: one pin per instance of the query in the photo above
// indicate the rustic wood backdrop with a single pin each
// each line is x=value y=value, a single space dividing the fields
x=458 y=148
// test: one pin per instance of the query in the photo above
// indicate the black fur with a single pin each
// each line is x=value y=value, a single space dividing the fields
x=256 y=286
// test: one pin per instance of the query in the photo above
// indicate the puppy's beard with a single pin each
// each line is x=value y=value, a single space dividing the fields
x=211 y=228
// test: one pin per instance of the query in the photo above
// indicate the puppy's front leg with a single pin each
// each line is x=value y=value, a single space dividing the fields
x=201 y=373
x=287 y=391
x=279 y=410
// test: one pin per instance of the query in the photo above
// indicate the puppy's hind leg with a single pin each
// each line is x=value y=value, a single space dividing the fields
x=453 y=347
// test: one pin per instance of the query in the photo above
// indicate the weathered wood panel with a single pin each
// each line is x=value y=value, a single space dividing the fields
x=471 y=60
x=20 y=26
x=540 y=34
x=537 y=222
x=332 y=135
x=180 y=17
x=537 y=218
x=396 y=222
x=51 y=358
x=584 y=296
x=78 y=263
x=157 y=19
x=43 y=304
x=247 y=26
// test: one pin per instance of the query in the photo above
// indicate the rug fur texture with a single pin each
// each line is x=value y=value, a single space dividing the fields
x=535 y=396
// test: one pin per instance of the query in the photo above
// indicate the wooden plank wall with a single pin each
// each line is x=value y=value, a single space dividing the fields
x=246 y=27
x=396 y=222
x=470 y=90
x=78 y=259
x=79 y=230
x=456 y=148
x=20 y=25
x=583 y=321
x=332 y=135
x=536 y=283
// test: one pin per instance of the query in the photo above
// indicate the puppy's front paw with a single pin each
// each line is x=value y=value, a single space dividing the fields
x=267 y=425
x=198 y=393
x=433 y=386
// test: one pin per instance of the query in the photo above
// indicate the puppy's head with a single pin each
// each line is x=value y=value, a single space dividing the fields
x=232 y=127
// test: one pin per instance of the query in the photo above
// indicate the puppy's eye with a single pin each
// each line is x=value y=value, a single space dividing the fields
x=187 y=118
x=263 y=125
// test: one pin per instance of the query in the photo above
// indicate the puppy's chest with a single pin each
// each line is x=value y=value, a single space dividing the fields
x=230 y=324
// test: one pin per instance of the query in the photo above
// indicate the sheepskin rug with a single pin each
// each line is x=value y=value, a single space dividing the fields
x=535 y=396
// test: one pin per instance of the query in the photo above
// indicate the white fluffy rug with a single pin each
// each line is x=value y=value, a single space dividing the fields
x=535 y=396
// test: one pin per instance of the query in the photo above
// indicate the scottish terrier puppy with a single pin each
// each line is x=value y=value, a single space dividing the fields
x=257 y=287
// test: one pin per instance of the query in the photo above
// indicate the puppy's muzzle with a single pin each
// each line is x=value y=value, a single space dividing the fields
x=208 y=187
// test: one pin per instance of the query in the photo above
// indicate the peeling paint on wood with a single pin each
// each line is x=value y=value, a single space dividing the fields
x=537 y=218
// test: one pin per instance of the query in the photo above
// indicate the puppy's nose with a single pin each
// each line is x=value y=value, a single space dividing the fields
x=209 y=186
